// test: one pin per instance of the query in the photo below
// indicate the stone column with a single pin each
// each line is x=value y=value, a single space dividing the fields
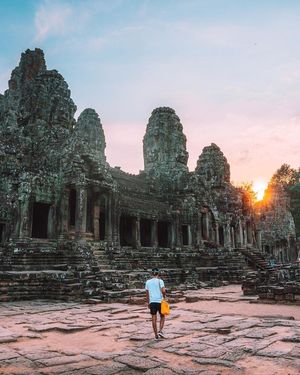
x=177 y=231
x=245 y=237
x=232 y=235
x=108 y=214
x=115 y=219
x=217 y=239
x=239 y=235
x=258 y=239
x=154 y=240
x=205 y=223
x=64 y=214
x=198 y=230
x=80 y=218
x=173 y=235
x=96 y=219
x=137 y=225
x=249 y=234
x=24 y=227
x=189 y=233
x=51 y=222
x=227 y=236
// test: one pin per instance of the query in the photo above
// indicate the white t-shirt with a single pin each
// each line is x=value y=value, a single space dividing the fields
x=154 y=286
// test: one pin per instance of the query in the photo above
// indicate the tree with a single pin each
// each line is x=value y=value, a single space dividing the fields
x=285 y=176
x=248 y=195
x=294 y=192
x=288 y=178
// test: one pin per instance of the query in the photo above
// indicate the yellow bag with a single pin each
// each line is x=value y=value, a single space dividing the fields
x=165 y=307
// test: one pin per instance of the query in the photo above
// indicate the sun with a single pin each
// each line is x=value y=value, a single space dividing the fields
x=259 y=188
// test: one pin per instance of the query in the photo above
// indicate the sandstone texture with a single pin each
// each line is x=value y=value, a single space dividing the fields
x=261 y=338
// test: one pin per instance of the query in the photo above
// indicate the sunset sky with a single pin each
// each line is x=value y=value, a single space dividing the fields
x=230 y=69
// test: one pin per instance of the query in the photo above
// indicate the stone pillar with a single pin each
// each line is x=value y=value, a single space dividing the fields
x=137 y=225
x=217 y=239
x=258 y=239
x=177 y=231
x=205 y=223
x=189 y=234
x=232 y=235
x=172 y=239
x=249 y=234
x=64 y=214
x=115 y=219
x=24 y=227
x=51 y=222
x=154 y=240
x=80 y=218
x=109 y=213
x=227 y=236
x=239 y=235
x=245 y=241
x=198 y=231
x=96 y=219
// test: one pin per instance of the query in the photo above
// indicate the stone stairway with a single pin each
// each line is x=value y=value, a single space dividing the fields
x=261 y=273
x=43 y=269
x=101 y=255
x=125 y=270
x=255 y=258
x=37 y=255
x=90 y=271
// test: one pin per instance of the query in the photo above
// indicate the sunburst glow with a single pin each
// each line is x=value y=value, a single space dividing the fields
x=259 y=188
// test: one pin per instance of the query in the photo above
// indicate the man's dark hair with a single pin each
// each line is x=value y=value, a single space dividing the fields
x=155 y=271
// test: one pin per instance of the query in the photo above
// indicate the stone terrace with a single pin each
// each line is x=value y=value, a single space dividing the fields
x=214 y=336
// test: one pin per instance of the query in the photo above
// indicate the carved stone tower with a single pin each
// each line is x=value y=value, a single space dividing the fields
x=90 y=134
x=213 y=167
x=164 y=144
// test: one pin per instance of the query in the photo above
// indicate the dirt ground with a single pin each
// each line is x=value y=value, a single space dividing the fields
x=222 y=333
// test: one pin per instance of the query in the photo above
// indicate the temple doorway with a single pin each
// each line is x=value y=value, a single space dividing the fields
x=145 y=228
x=102 y=226
x=126 y=230
x=221 y=236
x=185 y=235
x=163 y=233
x=40 y=214
x=2 y=226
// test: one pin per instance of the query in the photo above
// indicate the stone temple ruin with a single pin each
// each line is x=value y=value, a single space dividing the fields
x=71 y=226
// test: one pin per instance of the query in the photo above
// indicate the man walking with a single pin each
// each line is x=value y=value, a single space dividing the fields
x=155 y=292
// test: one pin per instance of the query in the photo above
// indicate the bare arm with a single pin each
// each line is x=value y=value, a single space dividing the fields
x=163 y=290
x=147 y=297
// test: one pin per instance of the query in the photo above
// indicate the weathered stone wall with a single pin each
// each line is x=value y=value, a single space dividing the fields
x=277 y=225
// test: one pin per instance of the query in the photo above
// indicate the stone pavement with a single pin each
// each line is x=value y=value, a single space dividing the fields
x=42 y=337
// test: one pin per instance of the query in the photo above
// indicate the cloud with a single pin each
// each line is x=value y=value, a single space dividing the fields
x=52 y=19
x=243 y=157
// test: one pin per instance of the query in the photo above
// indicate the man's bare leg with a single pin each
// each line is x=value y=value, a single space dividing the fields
x=154 y=324
x=161 y=323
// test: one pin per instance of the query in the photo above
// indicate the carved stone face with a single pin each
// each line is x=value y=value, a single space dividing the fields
x=89 y=132
x=213 y=166
x=165 y=143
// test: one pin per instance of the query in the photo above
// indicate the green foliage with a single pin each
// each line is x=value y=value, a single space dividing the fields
x=285 y=176
x=249 y=196
x=294 y=193
x=288 y=178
